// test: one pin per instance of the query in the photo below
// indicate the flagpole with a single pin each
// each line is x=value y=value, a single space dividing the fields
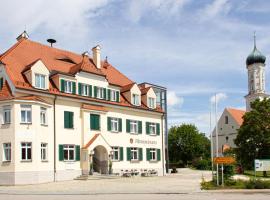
x=216 y=136
x=211 y=140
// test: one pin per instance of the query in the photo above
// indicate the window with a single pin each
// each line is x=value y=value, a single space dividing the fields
x=43 y=116
x=7 y=115
x=226 y=120
x=115 y=153
x=94 y=122
x=152 y=129
x=134 y=154
x=26 y=151
x=68 y=119
x=113 y=95
x=133 y=126
x=68 y=87
x=135 y=99
x=7 y=152
x=69 y=152
x=40 y=81
x=153 y=154
x=114 y=124
x=26 y=114
x=85 y=90
x=227 y=139
x=44 y=151
x=100 y=93
x=151 y=102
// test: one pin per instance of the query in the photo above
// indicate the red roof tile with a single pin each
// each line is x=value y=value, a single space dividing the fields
x=32 y=98
x=5 y=92
x=94 y=107
x=91 y=141
x=237 y=115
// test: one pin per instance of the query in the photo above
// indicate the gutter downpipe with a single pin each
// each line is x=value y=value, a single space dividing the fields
x=163 y=149
x=54 y=140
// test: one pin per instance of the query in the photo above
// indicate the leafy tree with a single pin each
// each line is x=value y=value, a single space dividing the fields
x=186 y=143
x=253 y=138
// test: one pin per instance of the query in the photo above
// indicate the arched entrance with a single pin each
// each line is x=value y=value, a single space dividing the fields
x=100 y=160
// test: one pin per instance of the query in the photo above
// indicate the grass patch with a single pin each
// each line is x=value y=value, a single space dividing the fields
x=251 y=173
x=236 y=184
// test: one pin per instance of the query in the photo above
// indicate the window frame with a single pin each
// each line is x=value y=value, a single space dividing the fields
x=114 y=150
x=69 y=148
x=27 y=146
x=134 y=152
x=100 y=92
x=38 y=81
x=134 y=125
x=44 y=151
x=136 y=99
x=68 y=88
x=151 y=103
x=153 y=126
x=113 y=95
x=6 y=152
x=6 y=109
x=153 y=154
x=43 y=116
x=27 y=109
x=114 y=120
x=84 y=89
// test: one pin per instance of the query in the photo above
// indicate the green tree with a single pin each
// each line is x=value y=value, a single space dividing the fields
x=253 y=138
x=186 y=143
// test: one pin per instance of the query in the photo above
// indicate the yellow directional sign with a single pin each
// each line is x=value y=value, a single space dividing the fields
x=224 y=160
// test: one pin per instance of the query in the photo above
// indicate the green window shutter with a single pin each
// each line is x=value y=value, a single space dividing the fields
x=140 y=127
x=78 y=153
x=109 y=123
x=148 y=155
x=158 y=129
x=109 y=95
x=1 y=83
x=121 y=154
x=73 y=88
x=94 y=122
x=128 y=126
x=90 y=90
x=71 y=119
x=147 y=128
x=66 y=119
x=62 y=87
x=117 y=96
x=158 y=154
x=104 y=93
x=79 y=88
x=119 y=124
x=95 y=91
x=140 y=154
x=61 y=152
x=128 y=154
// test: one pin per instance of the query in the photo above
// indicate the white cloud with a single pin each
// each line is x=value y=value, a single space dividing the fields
x=218 y=97
x=174 y=100
x=215 y=8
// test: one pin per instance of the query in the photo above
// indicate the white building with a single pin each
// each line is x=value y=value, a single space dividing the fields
x=231 y=119
x=61 y=111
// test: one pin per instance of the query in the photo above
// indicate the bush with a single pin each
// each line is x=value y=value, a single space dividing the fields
x=202 y=164
x=257 y=184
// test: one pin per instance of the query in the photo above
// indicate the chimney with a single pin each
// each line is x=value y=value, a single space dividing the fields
x=23 y=35
x=96 y=56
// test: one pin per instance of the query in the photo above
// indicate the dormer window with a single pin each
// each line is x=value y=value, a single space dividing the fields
x=135 y=99
x=113 y=95
x=151 y=103
x=68 y=87
x=85 y=90
x=40 y=81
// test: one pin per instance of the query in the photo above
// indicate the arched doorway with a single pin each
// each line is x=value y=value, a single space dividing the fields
x=100 y=160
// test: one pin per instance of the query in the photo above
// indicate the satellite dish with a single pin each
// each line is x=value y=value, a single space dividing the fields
x=51 y=41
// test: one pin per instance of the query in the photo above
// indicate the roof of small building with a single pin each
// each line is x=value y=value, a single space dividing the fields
x=237 y=115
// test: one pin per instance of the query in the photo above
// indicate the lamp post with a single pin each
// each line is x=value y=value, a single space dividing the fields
x=91 y=162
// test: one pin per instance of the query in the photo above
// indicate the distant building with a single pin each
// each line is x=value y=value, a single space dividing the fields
x=231 y=119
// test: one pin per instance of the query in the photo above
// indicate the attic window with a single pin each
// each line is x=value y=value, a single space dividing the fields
x=226 y=120
x=66 y=59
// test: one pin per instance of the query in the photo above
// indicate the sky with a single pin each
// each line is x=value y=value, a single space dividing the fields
x=194 y=48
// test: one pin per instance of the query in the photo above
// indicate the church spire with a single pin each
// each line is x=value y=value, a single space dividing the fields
x=254 y=40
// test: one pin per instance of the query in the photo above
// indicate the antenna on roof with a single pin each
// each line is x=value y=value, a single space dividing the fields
x=51 y=41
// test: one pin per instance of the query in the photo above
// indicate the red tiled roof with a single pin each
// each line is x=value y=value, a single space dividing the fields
x=127 y=87
x=145 y=90
x=32 y=98
x=94 y=107
x=237 y=115
x=5 y=92
x=91 y=141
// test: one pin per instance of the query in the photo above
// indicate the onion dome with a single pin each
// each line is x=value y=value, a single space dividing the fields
x=255 y=56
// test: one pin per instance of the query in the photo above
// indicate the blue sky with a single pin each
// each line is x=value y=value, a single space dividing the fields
x=195 y=48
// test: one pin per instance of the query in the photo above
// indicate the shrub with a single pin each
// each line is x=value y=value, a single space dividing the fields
x=202 y=164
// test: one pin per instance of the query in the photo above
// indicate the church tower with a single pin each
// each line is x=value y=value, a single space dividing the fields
x=255 y=63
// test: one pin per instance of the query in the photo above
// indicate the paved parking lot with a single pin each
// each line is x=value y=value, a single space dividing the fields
x=184 y=185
